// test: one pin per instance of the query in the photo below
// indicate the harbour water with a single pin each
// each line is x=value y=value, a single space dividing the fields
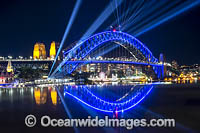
x=176 y=101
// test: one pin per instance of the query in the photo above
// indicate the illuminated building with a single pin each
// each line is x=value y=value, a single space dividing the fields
x=175 y=65
x=92 y=67
x=88 y=67
x=129 y=72
x=43 y=51
x=84 y=68
x=53 y=50
x=109 y=69
x=39 y=51
x=98 y=67
x=7 y=76
x=102 y=75
x=36 y=51
x=9 y=67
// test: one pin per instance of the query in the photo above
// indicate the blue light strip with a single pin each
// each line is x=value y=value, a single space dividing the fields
x=166 y=18
x=124 y=15
x=99 y=21
x=75 y=11
x=66 y=109
x=63 y=102
x=108 y=111
x=148 y=14
x=107 y=32
x=111 y=39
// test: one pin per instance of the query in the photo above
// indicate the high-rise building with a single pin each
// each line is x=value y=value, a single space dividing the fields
x=52 y=52
x=39 y=51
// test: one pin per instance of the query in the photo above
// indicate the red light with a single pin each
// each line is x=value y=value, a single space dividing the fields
x=114 y=30
x=116 y=114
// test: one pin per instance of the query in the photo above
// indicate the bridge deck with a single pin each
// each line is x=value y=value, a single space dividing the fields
x=111 y=62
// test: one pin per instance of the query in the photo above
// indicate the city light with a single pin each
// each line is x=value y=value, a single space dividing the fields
x=10 y=57
x=20 y=57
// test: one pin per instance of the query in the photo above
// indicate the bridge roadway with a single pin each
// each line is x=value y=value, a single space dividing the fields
x=112 y=62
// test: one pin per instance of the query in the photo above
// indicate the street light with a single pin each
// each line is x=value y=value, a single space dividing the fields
x=10 y=57
x=20 y=57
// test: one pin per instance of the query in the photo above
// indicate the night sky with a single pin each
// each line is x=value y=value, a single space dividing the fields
x=25 y=22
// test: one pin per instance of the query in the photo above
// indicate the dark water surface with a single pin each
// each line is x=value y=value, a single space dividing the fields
x=178 y=101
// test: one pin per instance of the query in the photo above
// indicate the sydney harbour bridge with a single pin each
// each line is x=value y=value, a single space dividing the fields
x=121 y=38
x=87 y=51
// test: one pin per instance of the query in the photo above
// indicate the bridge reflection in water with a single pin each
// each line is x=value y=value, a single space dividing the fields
x=111 y=100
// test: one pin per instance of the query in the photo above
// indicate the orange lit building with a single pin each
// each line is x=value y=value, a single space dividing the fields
x=36 y=51
x=52 y=50
x=39 y=51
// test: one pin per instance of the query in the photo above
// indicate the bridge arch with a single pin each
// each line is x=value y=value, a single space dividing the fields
x=85 y=47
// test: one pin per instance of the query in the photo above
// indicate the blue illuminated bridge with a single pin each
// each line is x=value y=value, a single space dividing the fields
x=88 y=51
x=85 y=51
x=127 y=101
